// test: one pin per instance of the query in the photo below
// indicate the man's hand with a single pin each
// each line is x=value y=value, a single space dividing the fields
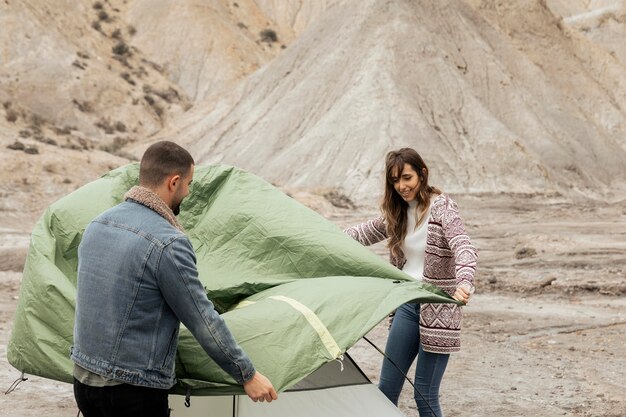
x=259 y=388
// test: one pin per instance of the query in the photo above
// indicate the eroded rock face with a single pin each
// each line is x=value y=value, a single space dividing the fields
x=497 y=97
x=211 y=46
x=518 y=96
x=100 y=64
x=603 y=22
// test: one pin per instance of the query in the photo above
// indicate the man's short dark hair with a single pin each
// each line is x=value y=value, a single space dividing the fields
x=161 y=160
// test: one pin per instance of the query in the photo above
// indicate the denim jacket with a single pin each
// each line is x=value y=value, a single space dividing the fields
x=137 y=280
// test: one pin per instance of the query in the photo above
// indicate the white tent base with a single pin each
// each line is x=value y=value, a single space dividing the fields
x=363 y=400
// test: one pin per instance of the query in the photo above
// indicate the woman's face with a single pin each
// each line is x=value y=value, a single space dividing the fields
x=406 y=183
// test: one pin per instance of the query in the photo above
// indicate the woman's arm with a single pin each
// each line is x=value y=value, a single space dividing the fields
x=368 y=233
x=465 y=254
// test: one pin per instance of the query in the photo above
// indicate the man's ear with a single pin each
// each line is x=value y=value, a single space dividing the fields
x=172 y=182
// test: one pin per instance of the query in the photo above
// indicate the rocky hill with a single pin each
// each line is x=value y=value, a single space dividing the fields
x=524 y=96
x=498 y=96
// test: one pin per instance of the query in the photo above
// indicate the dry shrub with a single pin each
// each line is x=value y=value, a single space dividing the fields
x=339 y=200
x=121 y=48
x=268 y=35
x=11 y=116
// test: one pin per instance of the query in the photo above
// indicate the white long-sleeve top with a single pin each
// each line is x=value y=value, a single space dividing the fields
x=414 y=246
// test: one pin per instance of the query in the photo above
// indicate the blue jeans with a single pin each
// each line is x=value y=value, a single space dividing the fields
x=403 y=345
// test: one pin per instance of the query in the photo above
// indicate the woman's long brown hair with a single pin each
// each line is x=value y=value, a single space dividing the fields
x=393 y=207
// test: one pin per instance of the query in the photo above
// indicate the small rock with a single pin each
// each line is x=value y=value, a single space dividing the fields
x=525 y=252
x=546 y=281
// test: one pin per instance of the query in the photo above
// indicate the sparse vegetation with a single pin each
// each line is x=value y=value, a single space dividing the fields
x=17 y=146
x=154 y=65
x=242 y=25
x=140 y=72
x=152 y=102
x=110 y=127
x=131 y=30
x=11 y=116
x=103 y=16
x=71 y=145
x=46 y=140
x=36 y=122
x=84 y=143
x=116 y=34
x=83 y=106
x=105 y=124
x=123 y=60
x=121 y=49
x=32 y=150
x=51 y=168
x=65 y=130
x=79 y=64
x=339 y=200
x=115 y=147
x=149 y=99
x=525 y=252
x=120 y=127
x=96 y=25
x=127 y=77
x=268 y=35
x=98 y=5
x=168 y=95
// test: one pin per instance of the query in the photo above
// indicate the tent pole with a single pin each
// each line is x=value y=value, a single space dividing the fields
x=405 y=375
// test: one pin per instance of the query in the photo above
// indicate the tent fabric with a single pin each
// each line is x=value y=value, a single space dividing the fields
x=293 y=288
x=338 y=388
x=338 y=373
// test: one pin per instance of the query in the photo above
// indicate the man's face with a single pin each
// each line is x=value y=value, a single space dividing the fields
x=182 y=191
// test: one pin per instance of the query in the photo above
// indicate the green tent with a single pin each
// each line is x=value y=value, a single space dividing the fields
x=293 y=288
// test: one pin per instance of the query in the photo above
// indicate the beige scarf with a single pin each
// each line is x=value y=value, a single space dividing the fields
x=148 y=198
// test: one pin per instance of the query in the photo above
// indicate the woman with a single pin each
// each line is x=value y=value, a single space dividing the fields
x=427 y=240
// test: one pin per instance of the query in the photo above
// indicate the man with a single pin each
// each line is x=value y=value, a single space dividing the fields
x=137 y=280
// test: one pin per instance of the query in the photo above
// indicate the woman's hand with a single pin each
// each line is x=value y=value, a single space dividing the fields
x=462 y=294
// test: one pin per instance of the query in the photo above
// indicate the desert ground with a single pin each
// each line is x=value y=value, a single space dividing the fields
x=518 y=107
x=544 y=334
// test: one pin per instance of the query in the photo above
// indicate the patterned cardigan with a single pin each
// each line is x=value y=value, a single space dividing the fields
x=450 y=261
